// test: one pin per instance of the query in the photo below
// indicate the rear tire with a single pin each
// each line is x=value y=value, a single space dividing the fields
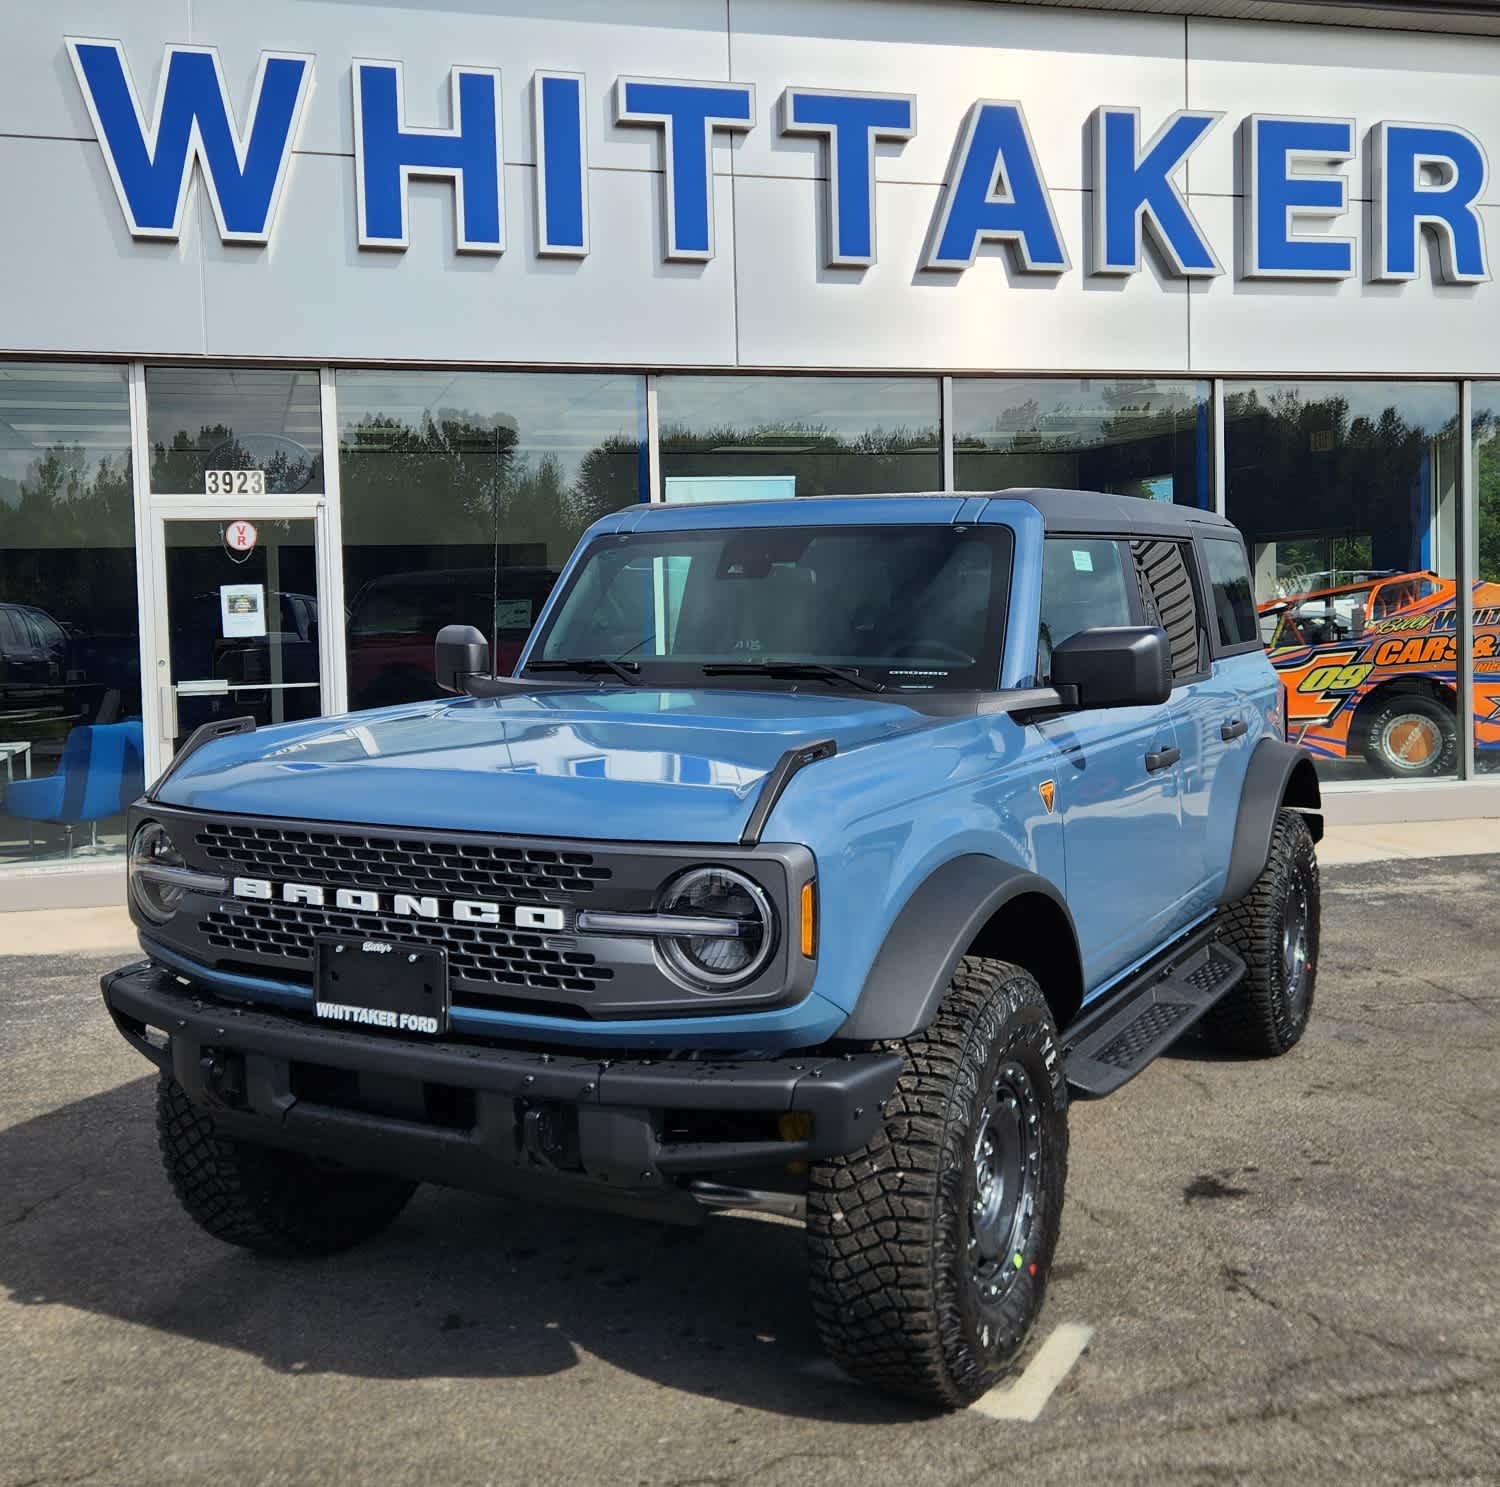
x=1274 y=929
x=930 y=1249
x=1412 y=737
x=273 y=1202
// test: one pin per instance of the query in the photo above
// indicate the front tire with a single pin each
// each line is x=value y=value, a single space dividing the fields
x=273 y=1202
x=1275 y=930
x=930 y=1249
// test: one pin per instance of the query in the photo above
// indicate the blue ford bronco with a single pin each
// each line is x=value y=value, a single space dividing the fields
x=815 y=855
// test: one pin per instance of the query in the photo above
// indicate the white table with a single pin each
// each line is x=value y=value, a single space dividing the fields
x=8 y=752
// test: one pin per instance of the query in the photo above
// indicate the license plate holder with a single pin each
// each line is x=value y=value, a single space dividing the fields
x=381 y=986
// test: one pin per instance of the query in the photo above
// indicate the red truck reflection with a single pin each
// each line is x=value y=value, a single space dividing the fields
x=394 y=620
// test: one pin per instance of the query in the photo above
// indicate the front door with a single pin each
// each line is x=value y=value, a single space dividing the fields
x=241 y=632
x=1118 y=788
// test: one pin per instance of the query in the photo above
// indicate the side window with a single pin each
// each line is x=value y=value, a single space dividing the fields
x=1233 y=601
x=1085 y=584
x=1167 y=594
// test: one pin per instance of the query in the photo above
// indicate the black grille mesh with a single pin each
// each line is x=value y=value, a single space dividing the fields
x=476 y=956
x=450 y=869
x=481 y=958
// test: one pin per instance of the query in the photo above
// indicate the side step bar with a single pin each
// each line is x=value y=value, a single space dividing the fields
x=1113 y=1042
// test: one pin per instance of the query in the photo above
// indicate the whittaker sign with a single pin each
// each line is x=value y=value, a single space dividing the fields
x=1297 y=218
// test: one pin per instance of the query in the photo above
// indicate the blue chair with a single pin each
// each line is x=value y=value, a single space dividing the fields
x=102 y=769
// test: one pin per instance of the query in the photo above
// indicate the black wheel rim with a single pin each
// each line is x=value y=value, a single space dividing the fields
x=1006 y=1170
x=1296 y=944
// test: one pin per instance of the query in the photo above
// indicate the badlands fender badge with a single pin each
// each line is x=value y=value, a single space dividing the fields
x=1048 y=791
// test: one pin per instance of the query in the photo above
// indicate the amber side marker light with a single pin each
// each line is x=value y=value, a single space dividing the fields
x=809 y=918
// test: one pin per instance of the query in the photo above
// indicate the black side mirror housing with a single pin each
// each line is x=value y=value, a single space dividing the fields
x=1114 y=666
x=461 y=652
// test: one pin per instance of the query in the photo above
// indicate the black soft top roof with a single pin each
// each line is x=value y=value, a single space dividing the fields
x=1094 y=511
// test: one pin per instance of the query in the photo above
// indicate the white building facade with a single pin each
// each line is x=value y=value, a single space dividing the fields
x=325 y=323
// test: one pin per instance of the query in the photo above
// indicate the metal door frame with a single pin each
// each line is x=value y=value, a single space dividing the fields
x=154 y=510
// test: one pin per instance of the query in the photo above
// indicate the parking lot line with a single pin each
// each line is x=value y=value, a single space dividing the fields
x=1026 y=1397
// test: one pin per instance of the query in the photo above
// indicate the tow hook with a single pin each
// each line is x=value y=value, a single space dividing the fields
x=223 y=1077
x=549 y=1135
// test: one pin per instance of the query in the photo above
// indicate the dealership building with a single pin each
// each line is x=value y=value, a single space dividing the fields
x=328 y=323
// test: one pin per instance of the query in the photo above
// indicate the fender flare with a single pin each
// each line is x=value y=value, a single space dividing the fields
x=1279 y=774
x=929 y=937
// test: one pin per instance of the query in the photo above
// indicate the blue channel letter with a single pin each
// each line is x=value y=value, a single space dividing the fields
x=1405 y=204
x=1134 y=191
x=387 y=152
x=687 y=114
x=851 y=123
x=152 y=165
x=995 y=193
x=1278 y=194
x=562 y=173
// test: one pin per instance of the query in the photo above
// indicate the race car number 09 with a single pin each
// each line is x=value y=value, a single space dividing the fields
x=234 y=483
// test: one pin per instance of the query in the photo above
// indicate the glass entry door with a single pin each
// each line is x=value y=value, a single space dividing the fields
x=242 y=621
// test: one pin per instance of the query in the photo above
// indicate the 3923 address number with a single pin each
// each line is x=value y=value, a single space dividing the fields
x=234 y=482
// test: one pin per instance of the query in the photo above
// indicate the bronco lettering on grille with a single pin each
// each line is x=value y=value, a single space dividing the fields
x=416 y=906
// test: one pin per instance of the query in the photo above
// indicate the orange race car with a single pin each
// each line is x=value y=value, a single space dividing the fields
x=1370 y=670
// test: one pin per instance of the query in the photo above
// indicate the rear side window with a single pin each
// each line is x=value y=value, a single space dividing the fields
x=1231 y=596
x=1085 y=585
x=1170 y=602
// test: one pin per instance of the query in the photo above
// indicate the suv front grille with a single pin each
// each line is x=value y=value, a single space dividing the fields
x=396 y=865
x=477 y=957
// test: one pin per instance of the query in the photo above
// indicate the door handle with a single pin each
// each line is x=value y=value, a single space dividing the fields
x=1238 y=728
x=1161 y=759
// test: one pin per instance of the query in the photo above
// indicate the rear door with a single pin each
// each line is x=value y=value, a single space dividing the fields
x=1122 y=826
x=1234 y=704
x=1166 y=571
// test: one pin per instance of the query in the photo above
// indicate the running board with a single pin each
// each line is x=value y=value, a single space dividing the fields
x=1111 y=1044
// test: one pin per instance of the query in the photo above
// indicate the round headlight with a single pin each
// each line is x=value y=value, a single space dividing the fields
x=156 y=896
x=719 y=961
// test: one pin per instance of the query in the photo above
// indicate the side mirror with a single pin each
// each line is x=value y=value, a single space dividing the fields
x=1117 y=666
x=461 y=652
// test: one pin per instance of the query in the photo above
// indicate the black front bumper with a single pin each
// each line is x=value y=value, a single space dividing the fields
x=616 y=1133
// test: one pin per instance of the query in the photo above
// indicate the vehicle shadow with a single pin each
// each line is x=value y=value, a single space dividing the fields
x=461 y=1285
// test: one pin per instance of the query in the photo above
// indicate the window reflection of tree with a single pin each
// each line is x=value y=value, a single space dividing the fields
x=1300 y=466
x=1077 y=443
x=1487 y=487
x=181 y=465
x=67 y=547
x=456 y=477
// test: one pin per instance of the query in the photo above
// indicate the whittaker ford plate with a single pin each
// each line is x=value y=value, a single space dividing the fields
x=381 y=985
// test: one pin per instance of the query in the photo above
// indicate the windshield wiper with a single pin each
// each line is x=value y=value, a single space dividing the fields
x=627 y=671
x=819 y=670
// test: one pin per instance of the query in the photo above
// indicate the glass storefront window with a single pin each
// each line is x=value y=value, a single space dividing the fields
x=463 y=495
x=1347 y=495
x=1133 y=436
x=70 y=676
x=726 y=438
x=203 y=419
x=1485 y=533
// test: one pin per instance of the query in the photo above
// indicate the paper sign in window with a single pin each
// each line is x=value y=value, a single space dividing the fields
x=242 y=610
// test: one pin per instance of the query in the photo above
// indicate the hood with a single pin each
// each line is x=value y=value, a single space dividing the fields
x=608 y=765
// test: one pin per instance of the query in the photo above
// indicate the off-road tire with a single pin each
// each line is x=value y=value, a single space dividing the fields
x=1420 y=709
x=899 y=1302
x=274 y=1202
x=1267 y=1012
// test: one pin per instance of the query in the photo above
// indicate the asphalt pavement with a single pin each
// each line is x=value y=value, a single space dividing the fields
x=1288 y=1271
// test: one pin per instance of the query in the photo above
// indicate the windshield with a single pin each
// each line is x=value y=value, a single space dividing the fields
x=908 y=608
